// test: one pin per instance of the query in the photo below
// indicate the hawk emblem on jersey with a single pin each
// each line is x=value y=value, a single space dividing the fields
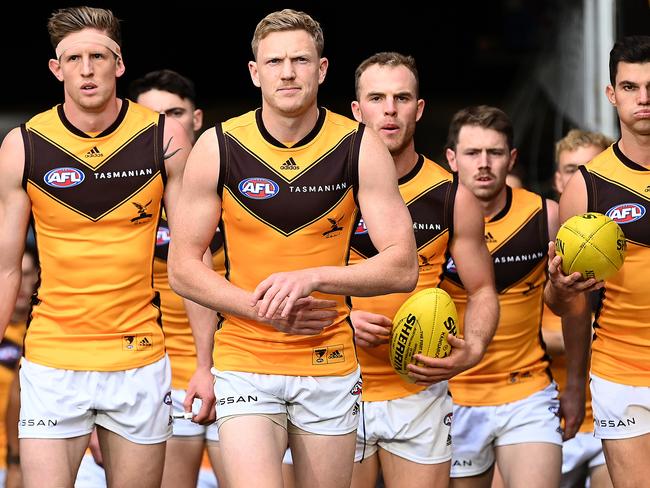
x=335 y=229
x=142 y=212
x=425 y=261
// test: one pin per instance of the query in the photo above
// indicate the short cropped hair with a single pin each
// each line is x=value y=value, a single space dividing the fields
x=577 y=138
x=164 y=80
x=630 y=49
x=392 y=59
x=482 y=116
x=65 y=21
x=287 y=20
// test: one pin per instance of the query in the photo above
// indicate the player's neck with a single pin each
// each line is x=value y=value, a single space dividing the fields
x=289 y=129
x=495 y=205
x=635 y=146
x=92 y=121
x=405 y=160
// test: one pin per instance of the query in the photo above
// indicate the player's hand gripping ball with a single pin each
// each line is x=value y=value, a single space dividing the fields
x=591 y=244
x=421 y=326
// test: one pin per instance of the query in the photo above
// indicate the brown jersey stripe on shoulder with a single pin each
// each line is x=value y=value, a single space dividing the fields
x=223 y=158
x=451 y=206
x=159 y=157
x=353 y=162
x=27 y=163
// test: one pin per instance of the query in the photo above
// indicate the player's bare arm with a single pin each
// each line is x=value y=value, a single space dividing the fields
x=176 y=149
x=196 y=217
x=14 y=218
x=393 y=269
x=475 y=268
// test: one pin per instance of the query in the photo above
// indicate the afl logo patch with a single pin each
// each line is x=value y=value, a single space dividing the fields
x=162 y=237
x=361 y=228
x=258 y=188
x=625 y=213
x=64 y=177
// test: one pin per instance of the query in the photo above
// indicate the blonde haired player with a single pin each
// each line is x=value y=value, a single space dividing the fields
x=283 y=183
x=404 y=430
x=504 y=407
x=92 y=173
x=615 y=183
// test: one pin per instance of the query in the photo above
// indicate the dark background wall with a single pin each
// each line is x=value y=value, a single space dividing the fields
x=468 y=52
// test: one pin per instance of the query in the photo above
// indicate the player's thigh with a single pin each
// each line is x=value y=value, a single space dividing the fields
x=533 y=464
x=599 y=477
x=627 y=460
x=482 y=480
x=400 y=472
x=251 y=448
x=214 y=453
x=51 y=462
x=183 y=457
x=129 y=464
x=323 y=460
x=365 y=472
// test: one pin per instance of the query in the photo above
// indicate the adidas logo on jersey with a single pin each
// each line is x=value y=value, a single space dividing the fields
x=289 y=164
x=94 y=153
x=489 y=237
x=144 y=343
x=335 y=355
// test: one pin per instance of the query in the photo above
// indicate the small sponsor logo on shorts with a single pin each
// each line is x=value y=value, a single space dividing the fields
x=610 y=423
x=447 y=419
x=355 y=409
x=237 y=399
x=128 y=343
x=170 y=421
x=328 y=354
x=168 y=398
x=145 y=341
x=357 y=388
x=38 y=422
x=461 y=463
x=449 y=439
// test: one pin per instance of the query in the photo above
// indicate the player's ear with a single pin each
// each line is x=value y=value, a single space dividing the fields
x=322 y=70
x=252 y=69
x=420 y=109
x=119 y=67
x=513 y=159
x=356 y=111
x=197 y=119
x=55 y=68
x=451 y=159
x=611 y=94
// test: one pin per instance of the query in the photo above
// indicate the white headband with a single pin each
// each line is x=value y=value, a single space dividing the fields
x=87 y=38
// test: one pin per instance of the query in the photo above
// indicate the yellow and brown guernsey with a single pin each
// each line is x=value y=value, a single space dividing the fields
x=515 y=364
x=10 y=352
x=95 y=205
x=429 y=192
x=283 y=209
x=620 y=188
x=179 y=342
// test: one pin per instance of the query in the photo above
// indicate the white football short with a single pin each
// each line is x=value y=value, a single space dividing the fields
x=583 y=450
x=324 y=405
x=620 y=411
x=416 y=427
x=186 y=428
x=476 y=431
x=58 y=403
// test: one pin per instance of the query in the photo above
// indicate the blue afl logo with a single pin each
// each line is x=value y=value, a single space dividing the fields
x=625 y=213
x=64 y=177
x=258 y=188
